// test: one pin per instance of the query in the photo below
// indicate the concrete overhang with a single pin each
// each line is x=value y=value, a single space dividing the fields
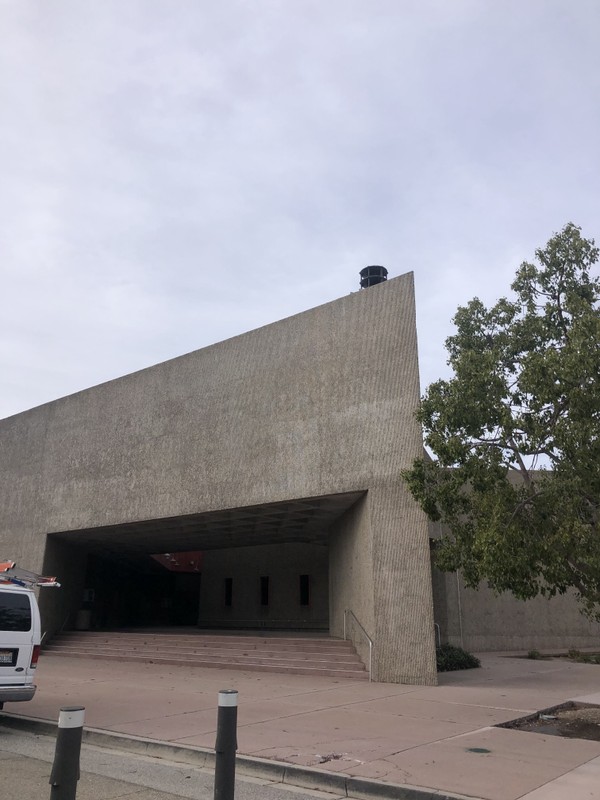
x=300 y=520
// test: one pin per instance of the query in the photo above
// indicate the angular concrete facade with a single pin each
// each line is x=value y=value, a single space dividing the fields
x=293 y=433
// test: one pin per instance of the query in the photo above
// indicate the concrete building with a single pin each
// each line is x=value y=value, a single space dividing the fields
x=276 y=453
x=275 y=457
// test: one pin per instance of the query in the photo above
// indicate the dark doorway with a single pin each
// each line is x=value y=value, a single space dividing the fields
x=139 y=593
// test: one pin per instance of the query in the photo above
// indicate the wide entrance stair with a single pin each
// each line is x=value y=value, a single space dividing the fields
x=298 y=655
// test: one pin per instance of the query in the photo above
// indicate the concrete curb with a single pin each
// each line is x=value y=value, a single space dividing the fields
x=276 y=771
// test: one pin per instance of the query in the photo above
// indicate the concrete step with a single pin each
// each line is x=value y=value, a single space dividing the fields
x=110 y=648
x=201 y=642
x=202 y=634
x=302 y=655
x=356 y=674
x=214 y=659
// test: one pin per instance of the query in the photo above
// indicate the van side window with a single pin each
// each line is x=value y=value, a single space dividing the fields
x=15 y=612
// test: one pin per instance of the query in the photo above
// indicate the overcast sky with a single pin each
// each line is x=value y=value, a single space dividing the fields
x=175 y=173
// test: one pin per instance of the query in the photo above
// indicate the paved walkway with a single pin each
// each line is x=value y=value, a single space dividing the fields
x=439 y=738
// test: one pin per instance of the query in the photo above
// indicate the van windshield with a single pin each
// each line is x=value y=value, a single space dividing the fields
x=15 y=611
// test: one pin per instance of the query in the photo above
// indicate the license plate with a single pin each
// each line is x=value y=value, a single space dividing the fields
x=6 y=657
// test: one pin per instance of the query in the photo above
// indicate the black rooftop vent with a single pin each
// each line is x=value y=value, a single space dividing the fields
x=369 y=276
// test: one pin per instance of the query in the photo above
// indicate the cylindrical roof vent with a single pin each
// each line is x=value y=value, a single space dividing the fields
x=369 y=276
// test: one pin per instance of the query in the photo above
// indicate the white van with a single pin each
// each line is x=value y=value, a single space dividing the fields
x=20 y=638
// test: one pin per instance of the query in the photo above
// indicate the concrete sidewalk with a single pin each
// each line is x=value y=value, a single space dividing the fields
x=437 y=738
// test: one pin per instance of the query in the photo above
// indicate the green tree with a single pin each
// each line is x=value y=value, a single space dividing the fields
x=515 y=434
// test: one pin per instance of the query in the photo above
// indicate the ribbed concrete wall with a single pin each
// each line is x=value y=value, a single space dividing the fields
x=317 y=404
x=482 y=621
x=403 y=594
x=282 y=565
x=351 y=578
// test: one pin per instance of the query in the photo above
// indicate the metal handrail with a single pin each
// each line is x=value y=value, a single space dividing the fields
x=368 y=638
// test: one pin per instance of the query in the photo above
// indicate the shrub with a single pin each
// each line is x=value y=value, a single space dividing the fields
x=583 y=658
x=450 y=658
x=534 y=654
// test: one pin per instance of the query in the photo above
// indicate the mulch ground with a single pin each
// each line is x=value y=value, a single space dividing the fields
x=571 y=721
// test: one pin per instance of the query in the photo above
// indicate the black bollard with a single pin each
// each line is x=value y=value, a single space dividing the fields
x=226 y=745
x=65 y=769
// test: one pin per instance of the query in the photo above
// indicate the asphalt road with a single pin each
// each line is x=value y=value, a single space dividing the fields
x=26 y=759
